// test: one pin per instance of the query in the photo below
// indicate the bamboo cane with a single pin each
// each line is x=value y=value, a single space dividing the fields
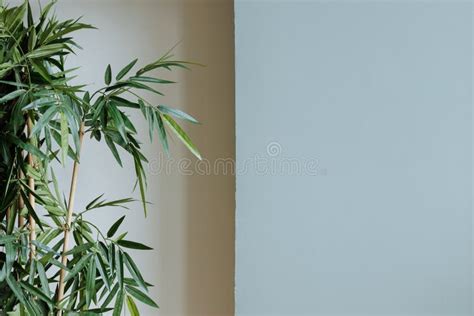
x=31 y=197
x=67 y=227
x=21 y=205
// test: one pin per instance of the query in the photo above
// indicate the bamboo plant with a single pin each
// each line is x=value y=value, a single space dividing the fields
x=53 y=259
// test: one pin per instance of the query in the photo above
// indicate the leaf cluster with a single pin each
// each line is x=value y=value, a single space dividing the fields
x=43 y=118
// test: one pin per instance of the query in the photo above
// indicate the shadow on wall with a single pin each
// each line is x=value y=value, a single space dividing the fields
x=209 y=38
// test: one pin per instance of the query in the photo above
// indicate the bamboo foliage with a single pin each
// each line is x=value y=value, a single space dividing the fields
x=53 y=259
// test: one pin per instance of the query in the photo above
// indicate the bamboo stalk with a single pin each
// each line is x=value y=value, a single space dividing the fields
x=67 y=227
x=21 y=219
x=21 y=203
x=31 y=197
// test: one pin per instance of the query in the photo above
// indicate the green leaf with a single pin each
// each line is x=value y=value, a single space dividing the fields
x=74 y=27
x=119 y=267
x=132 y=307
x=79 y=249
x=44 y=247
x=177 y=113
x=116 y=115
x=118 y=101
x=41 y=69
x=134 y=271
x=57 y=264
x=43 y=278
x=139 y=85
x=10 y=256
x=44 y=120
x=96 y=311
x=181 y=135
x=108 y=75
x=118 y=304
x=56 y=189
x=90 y=281
x=12 y=95
x=7 y=238
x=126 y=69
x=13 y=284
x=102 y=270
x=162 y=133
x=77 y=267
x=115 y=226
x=151 y=79
x=113 y=149
x=27 y=146
x=142 y=297
x=64 y=137
x=46 y=50
x=36 y=292
x=31 y=210
x=110 y=296
x=141 y=180
x=133 y=245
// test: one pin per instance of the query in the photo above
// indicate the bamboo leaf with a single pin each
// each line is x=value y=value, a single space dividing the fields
x=12 y=95
x=115 y=226
x=111 y=296
x=113 y=149
x=139 y=295
x=162 y=133
x=43 y=278
x=44 y=247
x=36 y=292
x=133 y=245
x=116 y=115
x=64 y=137
x=92 y=203
x=134 y=271
x=102 y=270
x=126 y=69
x=118 y=304
x=151 y=79
x=31 y=210
x=13 y=284
x=177 y=113
x=27 y=146
x=119 y=267
x=79 y=249
x=108 y=75
x=44 y=120
x=132 y=307
x=10 y=257
x=77 y=267
x=181 y=135
x=46 y=50
x=90 y=281
x=141 y=181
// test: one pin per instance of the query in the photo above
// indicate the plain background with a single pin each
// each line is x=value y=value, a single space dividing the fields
x=379 y=94
x=191 y=221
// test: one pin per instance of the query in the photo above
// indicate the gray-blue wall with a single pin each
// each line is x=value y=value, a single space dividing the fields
x=377 y=94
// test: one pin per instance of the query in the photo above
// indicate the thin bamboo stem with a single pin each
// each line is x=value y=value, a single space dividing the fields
x=21 y=219
x=67 y=226
x=21 y=205
x=31 y=197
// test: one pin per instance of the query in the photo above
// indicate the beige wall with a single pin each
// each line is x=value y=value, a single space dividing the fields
x=191 y=222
